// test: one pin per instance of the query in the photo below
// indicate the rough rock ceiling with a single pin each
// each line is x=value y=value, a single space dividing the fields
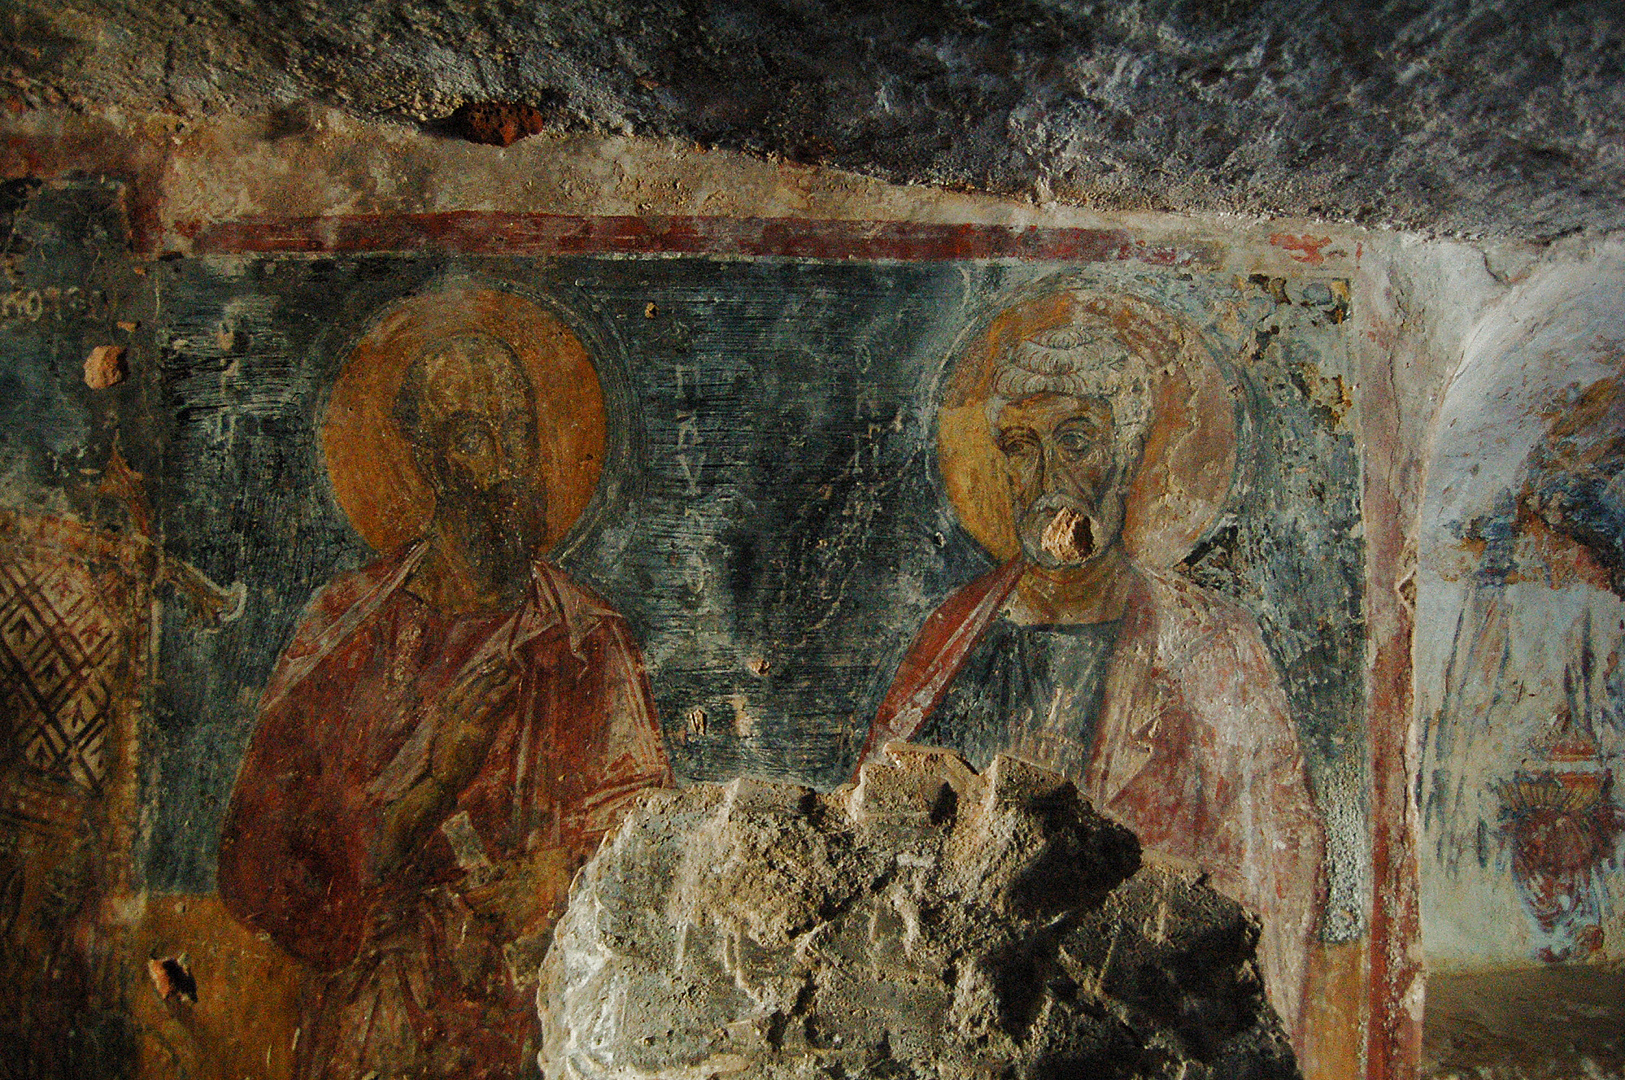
x=1464 y=117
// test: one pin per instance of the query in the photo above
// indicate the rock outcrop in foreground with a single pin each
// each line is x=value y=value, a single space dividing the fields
x=929 y=922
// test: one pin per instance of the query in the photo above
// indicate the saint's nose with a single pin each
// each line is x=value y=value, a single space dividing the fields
x=496 y=461
x=1051 y=476
x=504 y=462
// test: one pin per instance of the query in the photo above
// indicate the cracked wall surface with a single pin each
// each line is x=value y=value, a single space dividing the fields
x=1469 y=117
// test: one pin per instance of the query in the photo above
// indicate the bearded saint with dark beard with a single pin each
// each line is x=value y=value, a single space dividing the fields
x=445 y=740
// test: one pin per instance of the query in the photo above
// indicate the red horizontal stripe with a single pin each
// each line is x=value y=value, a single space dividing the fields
x=486 y=233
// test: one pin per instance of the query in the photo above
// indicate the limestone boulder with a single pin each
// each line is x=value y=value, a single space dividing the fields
x=926 y=922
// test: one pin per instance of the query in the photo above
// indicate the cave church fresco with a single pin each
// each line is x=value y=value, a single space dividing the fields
x=482 y=548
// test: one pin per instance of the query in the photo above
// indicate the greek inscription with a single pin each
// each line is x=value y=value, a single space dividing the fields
x=32 y=305
x=689 y=459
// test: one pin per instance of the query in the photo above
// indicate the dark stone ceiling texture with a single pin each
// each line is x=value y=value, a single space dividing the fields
x=1458 y=117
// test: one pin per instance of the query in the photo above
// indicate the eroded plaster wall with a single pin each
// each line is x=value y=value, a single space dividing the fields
x=1466 y=117
x=776 y=515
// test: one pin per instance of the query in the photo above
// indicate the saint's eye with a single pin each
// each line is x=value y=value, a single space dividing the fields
x=1074 y=442
x=1017 y=442
x=1079 y=439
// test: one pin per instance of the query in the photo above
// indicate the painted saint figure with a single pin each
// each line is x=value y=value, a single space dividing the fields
x=446 y=738
x=1155 y=695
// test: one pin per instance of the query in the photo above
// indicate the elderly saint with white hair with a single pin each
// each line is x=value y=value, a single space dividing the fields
x=1155 y=695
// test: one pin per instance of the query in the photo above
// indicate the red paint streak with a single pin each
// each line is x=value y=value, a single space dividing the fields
x=1394 y=1041
x=1393 y=1034
x=1306 y=248
x=556 y=234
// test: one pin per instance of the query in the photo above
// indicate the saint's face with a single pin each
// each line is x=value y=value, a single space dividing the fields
x=1065 y=479
x=477 y=414
x=479 y=428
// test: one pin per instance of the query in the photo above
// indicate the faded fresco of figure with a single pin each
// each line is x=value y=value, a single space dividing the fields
x=453 y=727
x=1086 y=441
x=1521 y=742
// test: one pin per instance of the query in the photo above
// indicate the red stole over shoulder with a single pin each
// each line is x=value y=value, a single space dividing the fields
x=936 y=655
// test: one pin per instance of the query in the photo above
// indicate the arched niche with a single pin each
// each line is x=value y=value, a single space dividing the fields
x=1520 y=630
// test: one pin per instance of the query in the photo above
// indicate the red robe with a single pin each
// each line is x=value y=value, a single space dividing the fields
x=1194 y=748
x=415 y=979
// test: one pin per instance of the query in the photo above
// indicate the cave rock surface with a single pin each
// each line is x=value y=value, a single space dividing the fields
x=926 y=922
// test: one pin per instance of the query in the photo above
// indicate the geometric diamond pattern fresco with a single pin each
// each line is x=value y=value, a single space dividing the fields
x=62 y=645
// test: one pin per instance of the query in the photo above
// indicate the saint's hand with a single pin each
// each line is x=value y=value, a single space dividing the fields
x=464 y=728
x=528 y=892
x=468 y=721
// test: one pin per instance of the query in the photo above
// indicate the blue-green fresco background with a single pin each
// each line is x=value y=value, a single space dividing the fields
x=774 y=533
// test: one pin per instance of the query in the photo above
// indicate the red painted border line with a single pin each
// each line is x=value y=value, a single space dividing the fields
x=486 y=233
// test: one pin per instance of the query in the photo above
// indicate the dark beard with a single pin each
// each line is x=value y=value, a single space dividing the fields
x=506 y=524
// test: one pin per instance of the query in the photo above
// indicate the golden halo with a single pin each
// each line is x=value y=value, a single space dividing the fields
x=370 y=465
x=1190 y=450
